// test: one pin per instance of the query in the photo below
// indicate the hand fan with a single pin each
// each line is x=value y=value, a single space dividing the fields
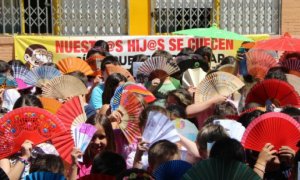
x=233 y=128
x=83 y=134
x=130 y=108
x=95 y=63
x=229 y=68
x=212 y=169
x=174 y=170
x=192 y=77
x=294 y=81
x=7 y=81
x=159 y=127
x=292 y=63
x=71 y=114
x=279 y=92
x=3 y=175
x=217 y=83
x=141 y=90
x=258 y=63
x=97 y=177
x=19 y=71
x=63 y=87
x=276 y=128
x=50 y=104
x=27 y=123
x=186 y=128
x=68 y=65
x=158 y=63
x=39 y=76
x=41 y=175
x=110 y=69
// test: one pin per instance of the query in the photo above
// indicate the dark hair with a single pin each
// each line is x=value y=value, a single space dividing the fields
x=144 y=114
x=103 y=44
x=109 y=60
x=225 y=108
x=205 y=52
x=210 y=119
x=108 y=163
x=93 y=51
x=291 y=110
x=229 y=149
x=28 y=100
x=135 y=174
x=47 y=163
x=228 y=60
x=185 y=51
x=158 y=73
x=177 y=110
x=247 y=118
x=16 y=62
x=182 y=96
x=162 y=53
x=4 y=66
x=33 y=47
x=80 y=75
x=111 y=83
x=277 y=73
x=103 y=121
x=161 y=152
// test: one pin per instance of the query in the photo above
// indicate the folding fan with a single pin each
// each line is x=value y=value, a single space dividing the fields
x=233 y=128
x=130 y=107
x=19 y=71
x=50 y=104
x=192 y=77
x=83 y=134
x=97 y=177
x=173 y=169
x=110 y=69
x=294 y=81
x=141 y=90
x=95 y=63
x=258 y=63
x=116 y=99
x=217 y=83
x=7 y=81
x=41 y=175
x=159 y=127
x=68 y=65
x=71 y=114
x=292 y=63
x=279 y=92
x=158 y=63
x=276 y=128
x=39 y=76
x=63 y=87
x=229 y=68
x=3 y=175
x=186 y=128
x=212 y=169
x=27 y=123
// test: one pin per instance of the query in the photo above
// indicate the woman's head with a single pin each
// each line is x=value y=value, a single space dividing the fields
x=47 y=163
x=180 y=96
x=28 y=100
x=103 y=138
x=111 y=83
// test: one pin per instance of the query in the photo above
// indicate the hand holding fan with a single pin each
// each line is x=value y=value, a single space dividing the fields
x=68 y=65
x=276 y=128
x=27 y=123
x=218 y=83
x=159 y=127
x=39 y=76
x=71 y=114
x=192 y=77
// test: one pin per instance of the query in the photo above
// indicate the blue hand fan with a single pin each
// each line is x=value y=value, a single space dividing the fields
x=41 y=75
x=174 y=170
x=116 y=99
x=19 y=71
x=7 y=81
x=40 y=175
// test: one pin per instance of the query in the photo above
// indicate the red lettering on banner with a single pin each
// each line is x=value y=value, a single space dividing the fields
x=214 y=44
x=59 y=46
x=179 y=44
x=206 y=42
x=172 y=43
x=160 y=44
x=229 y=44
x=191 y=43
x=84 y=46
x=221 y=44
x=119 y=46
x=144 y=45
x=131 y=45
x=77 y=47
x=73 y=46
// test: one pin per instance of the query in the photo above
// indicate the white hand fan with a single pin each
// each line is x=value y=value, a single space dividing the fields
x=192 y=77
x=82 y=135
x=41 y=75
x=158 y=63
x=234 y=129
x=218 y=83
x=159 y=127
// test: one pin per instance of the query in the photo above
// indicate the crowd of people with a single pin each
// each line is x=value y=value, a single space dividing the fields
x=146 y=148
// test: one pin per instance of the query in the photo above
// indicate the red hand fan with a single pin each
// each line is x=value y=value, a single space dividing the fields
x=27 y=123
x=279 y=92
x=130 y=108
x=71 y=114
x=140 y=89
x=276 y=128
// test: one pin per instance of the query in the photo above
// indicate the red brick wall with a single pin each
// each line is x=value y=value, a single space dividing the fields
x=290 y=19
x=6 y=48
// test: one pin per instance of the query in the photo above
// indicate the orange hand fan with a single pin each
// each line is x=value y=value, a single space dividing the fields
x=71 y=114
x=27 y=123
x=130 y=108
x=74 y=64
x=279 y=92
x=110 y=69
x=221 y=83
x=50 y=104
x=276 y=128
x=95 y=63
x=258 y=63
x=63 y=87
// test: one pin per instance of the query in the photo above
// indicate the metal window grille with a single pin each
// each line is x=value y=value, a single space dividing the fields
x=174 y=15
x=251 y=16
x=70 y=17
